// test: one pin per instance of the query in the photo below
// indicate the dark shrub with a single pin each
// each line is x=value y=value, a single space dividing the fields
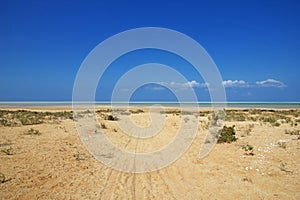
x=227 y=135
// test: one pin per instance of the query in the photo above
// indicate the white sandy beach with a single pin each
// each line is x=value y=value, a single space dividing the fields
x=54 y=164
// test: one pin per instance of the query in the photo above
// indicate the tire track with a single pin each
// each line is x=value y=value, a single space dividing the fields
x=121 y=185
x=166 y=185
x=134 y=168
x=122 y=189
x=110 y=171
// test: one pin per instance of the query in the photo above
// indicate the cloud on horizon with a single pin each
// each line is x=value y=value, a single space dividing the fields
x=270 y=83
x=226 y=83
x=235 y=83
x=186 y=85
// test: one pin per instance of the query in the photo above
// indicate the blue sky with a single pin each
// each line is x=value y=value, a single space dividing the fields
x=255 y=45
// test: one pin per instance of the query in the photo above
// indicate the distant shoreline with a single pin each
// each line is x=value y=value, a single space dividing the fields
x=68 y=104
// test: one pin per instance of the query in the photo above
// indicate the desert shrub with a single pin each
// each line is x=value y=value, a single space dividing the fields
x=247 y=179
x=30 y=120
x=103 y=126
x=276 y=124
x=248 y=150
x=234 y=115
x=292 y=112
x=283 y=167
x=241 y=117
x=227 y=135
x=282 y=145
x=7 y=151
x=32 y=132
x=292 y=132
x=107 y=110
x=253 y=118
x=2 y=178
x=25 y=117
x=136 y=111
x=268 y=119
x=4 y=122
x=254 y=111
x=286 y=118
x=124 y=112
x=204 y=113
x=175 y=111
x=110 y=117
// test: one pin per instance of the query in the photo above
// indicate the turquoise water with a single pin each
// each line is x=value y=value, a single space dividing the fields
x=166 y=104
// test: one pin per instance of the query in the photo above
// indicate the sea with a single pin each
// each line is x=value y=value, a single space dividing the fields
x=28 y=104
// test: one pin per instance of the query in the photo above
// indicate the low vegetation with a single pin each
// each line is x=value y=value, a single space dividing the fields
x=110 y=117
x=283 y=167
x=234 y=115
x=7 y=151
x=32 y=131
x=282 y=145
x=227 y=135
x=24 y=117
x=107 y=115
x=249 y=150
x=103 y=126
x=204 y=113
x=172 y=111
x=267 y=116
x=136 y=111
x=105 y=110
x=3 y=179
x=292 y=132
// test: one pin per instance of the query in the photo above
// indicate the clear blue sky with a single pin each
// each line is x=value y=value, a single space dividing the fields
x=255 y=45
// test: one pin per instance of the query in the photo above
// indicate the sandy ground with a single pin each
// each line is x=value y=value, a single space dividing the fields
x=56 y=165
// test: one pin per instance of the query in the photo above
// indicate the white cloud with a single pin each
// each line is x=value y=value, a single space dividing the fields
x=235 y=83
x=192 y=83
x=185 y=85
x=226 y=83
x=270 y=83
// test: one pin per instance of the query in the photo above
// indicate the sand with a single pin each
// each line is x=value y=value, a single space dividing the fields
x=54 y=164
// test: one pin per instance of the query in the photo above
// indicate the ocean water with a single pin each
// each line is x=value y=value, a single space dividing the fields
x=24 y=104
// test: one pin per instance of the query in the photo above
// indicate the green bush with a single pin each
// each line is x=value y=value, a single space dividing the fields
x=32 y=132
x=227 y=135
x=248 y=150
